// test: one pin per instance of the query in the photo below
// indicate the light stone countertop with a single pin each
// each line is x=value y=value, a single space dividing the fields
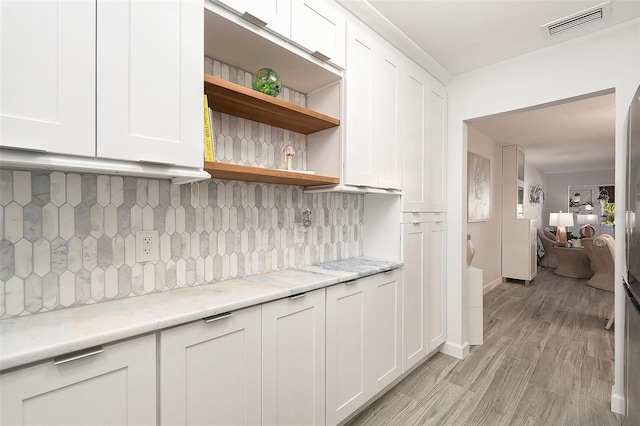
x=38 y=337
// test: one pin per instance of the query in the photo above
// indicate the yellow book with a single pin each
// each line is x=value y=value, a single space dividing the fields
x=208 y=137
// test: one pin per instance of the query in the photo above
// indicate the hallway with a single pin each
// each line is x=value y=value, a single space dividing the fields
x=546 y=360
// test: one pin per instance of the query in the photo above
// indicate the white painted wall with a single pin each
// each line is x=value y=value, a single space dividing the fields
x=607 y=59
x=486 y=236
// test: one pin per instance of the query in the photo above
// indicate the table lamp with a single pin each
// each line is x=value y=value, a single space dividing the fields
x=561 y=221
x=587 y=230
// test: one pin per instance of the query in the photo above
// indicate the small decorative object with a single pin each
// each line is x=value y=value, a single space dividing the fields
x=267 y=81
x=576 y=197
x=471 y=251
x=287 y=157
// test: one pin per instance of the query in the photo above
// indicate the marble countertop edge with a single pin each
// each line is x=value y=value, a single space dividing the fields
x=34 y=338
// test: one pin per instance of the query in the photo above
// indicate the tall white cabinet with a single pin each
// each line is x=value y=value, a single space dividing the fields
x=519 y=241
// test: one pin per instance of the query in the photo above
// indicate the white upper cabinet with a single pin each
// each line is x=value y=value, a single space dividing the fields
x=149 y=82
x=424 y=115
x=274 y=15
x=116 y=82
x=47 y=76
x=320 y=27
x=373 y=111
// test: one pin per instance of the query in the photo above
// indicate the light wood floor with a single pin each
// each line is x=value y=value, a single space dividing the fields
x=546 y=360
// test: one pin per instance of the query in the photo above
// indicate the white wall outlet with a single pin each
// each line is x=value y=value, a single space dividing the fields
x=298 y=233
x=147 y=246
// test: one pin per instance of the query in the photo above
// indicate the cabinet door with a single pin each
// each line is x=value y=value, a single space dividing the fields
x=47 y=76
x=360 y=75
x=327 y=40
x=373 y=111
x=274 y=15
x=293 y=360
x=414 y=139
x=210 y=371
x=387 y=117
x=436 y=125
x=117 y=386
x=149 y=85
x=414 y=298
x=436 y=332
x=383 y=354
x=346 y=372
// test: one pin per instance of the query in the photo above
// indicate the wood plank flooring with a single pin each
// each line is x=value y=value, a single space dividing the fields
x=546 y=360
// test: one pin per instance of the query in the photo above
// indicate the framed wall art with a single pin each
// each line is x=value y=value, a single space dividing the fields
x=478 y=188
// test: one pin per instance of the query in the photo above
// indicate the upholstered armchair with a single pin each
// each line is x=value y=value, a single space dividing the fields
x=601 y=252
x=549 y=260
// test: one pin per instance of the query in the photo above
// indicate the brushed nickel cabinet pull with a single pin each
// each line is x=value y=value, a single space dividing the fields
x=350 y=282
x=321 y=56
x=218 y=317
x=62 y=359
x=254 y=20
x=297 y=296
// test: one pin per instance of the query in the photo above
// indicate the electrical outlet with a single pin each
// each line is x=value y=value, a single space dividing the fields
x=146 y=246
x=298 y=233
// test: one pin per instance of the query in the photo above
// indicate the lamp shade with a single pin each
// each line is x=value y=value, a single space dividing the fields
x=553 y=219
x=587 y=218
x=565 y=219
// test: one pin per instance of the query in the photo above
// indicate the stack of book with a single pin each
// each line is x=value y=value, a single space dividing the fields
x=209 y=136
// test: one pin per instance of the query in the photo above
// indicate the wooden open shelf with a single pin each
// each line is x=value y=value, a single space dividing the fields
x=259 y=174
x=233 y=99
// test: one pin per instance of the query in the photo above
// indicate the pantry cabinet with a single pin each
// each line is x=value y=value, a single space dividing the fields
x=210 y=371
x=363 y=341
x=373 y=111
x=293 y=360
x=423 y=309
x=86 y=83
x=423 y=138
x=115 y=385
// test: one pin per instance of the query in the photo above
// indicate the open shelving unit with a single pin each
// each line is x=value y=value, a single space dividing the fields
x=237 y=100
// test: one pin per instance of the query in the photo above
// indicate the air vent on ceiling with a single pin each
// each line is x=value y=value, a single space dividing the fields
x=592 y=14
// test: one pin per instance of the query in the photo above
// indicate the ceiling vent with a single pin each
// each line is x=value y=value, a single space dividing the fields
x=595 y=13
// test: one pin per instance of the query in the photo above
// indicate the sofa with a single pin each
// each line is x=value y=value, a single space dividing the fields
x=548 y=240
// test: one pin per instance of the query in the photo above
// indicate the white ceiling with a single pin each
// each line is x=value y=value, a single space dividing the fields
x=464 y=35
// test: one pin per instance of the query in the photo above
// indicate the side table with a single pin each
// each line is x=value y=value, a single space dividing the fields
x=573 y=262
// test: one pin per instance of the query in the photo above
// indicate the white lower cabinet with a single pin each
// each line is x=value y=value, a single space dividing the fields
x=423 y=314
x=293 y=360
x=114 y=386
x=363 y=341
x=210 y=371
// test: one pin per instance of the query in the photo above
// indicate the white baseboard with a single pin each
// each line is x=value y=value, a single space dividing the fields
x=618 y=404
x=455 y=350
x=492 y=285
